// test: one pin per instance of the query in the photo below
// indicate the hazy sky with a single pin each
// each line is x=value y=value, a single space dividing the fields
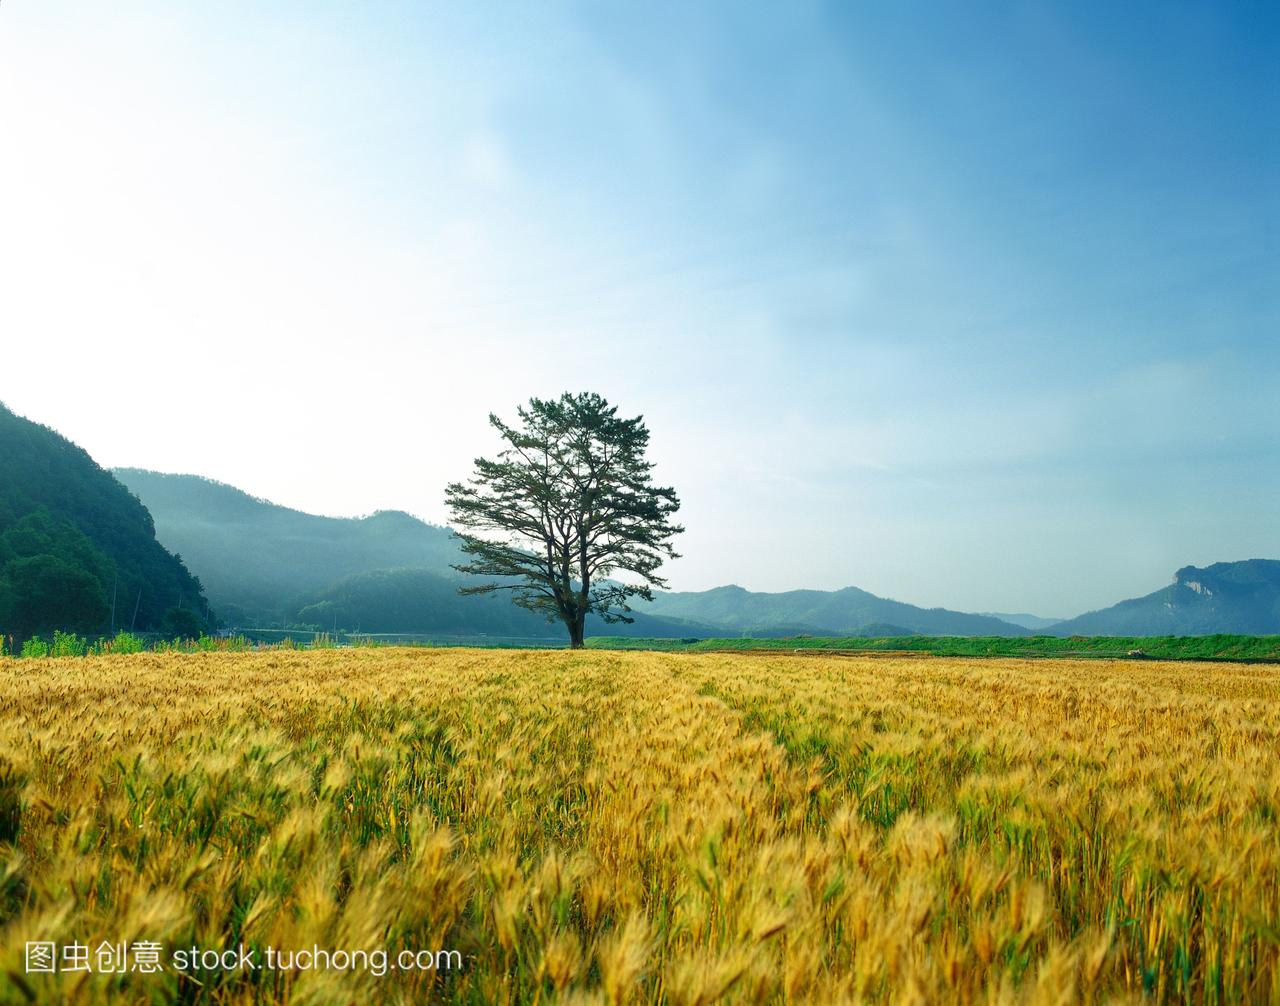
x=975 y=310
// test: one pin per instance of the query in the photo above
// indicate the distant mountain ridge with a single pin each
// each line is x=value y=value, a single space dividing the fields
x=261 y=562
x=256 y=557
x=1035 y=623
x=1226 y=597
x=821 y=612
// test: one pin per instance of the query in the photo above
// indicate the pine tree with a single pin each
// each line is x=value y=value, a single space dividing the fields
x=566 y=504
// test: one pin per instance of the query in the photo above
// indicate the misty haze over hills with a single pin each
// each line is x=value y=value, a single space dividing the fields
x=255 y=557
x=262 y=563
x=1026 y=620
x=269 y=565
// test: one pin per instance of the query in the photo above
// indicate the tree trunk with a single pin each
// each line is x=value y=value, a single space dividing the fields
x=576 y=631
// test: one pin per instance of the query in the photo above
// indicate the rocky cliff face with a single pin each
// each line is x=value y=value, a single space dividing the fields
x=1182 y=579
x=1227 y=597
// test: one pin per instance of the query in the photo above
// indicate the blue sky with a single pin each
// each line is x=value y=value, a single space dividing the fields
x=968 y=308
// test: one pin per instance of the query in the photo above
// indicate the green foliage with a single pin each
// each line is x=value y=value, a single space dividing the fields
x=123 y=642
x=68 y=644
x=183 y=623
x=35 y=647
x=202 y=643
x=207 y=644
x=44 y=592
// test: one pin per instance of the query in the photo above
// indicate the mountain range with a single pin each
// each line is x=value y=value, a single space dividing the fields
x=846 y=612
x=262 y=563
x=266 y=564
x=89 y=550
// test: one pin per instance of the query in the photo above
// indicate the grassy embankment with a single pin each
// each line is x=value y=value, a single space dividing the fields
x=1218 y=647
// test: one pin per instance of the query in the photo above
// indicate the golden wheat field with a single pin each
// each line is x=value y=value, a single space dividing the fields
x=609 y=827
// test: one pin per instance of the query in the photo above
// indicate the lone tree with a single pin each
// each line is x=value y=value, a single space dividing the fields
x=568 y=502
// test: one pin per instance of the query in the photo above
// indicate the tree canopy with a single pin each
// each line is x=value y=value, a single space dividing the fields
x=568 y=503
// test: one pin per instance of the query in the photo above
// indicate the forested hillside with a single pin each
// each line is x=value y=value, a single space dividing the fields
x=75 y=543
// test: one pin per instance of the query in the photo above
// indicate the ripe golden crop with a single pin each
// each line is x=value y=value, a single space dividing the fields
x=621 y=827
